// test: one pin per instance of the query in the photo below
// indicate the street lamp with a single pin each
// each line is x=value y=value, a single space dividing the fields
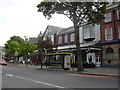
x=16 y=54
x=45 y=56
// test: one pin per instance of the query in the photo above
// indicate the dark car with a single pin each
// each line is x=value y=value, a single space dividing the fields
x=3 y=62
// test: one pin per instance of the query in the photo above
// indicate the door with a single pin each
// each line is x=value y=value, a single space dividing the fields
x=98 y=62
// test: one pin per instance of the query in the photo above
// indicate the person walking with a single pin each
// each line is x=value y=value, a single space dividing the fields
x=26 y=62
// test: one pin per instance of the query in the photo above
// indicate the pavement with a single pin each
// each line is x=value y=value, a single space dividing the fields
x=99 y=71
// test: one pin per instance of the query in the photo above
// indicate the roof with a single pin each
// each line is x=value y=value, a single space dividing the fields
x=52 y=30
x=66 y=30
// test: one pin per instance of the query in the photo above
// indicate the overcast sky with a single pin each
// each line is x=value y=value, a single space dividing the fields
x=20 y=18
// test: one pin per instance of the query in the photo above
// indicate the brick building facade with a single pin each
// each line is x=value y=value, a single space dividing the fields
x=110 y=36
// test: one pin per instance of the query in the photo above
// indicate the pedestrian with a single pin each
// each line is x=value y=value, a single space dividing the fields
x=26 y=62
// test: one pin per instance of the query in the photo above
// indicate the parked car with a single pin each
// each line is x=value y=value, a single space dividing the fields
x=3 y=62
x=11 y=61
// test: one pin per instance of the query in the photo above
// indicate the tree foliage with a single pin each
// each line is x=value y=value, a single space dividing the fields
x=47 y=44
x=80 y=13
x=12 y=47
x=22 y=46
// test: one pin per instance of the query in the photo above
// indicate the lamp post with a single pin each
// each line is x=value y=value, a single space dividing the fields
x=45 y=56
x=16 y=54
x=29 y=58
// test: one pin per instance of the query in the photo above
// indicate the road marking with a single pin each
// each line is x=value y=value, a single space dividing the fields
x=40 y=82
x=10 y=75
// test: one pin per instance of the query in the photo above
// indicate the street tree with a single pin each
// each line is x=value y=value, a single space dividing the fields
x=27 y=47
x=22 y=46
x=12 y=47
x=47 y=44
x=80 y=13
x=14 y=38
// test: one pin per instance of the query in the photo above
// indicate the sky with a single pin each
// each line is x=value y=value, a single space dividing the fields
x=21 y=18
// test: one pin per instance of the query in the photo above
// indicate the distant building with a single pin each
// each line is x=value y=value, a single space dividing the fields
x=33 y=40
x=110 y=35
x=2 y=52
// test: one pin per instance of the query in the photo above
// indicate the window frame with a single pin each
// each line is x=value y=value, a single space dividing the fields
x=60 y=40
x=118 y=14
x=107 y=35
x=65 y=38
x=118 y=32
x=72 y=37
x=108 y=17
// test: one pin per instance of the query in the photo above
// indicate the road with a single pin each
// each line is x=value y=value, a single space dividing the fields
x=13 y=77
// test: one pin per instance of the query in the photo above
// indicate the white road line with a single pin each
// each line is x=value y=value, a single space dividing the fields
x=40 y=82
x=10 y=75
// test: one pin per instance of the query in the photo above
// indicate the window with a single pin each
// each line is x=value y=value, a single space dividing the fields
x=89 y=32
x=66 y=38
x=60 y=40
x=108 y=34
x=109 y=54
x=108 y=17
x=118 y=14
x=72 y=37
x=119 y=32
x=92 y=32
x=52 y=38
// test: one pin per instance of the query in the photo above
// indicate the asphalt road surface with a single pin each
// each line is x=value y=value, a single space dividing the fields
x=13 y=77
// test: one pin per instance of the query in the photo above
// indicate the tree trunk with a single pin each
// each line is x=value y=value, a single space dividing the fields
x=78 y=49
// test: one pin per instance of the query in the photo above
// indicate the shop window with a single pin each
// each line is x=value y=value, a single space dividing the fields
x=109 y=54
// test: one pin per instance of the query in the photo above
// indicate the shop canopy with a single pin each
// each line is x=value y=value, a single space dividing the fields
x=61 y=53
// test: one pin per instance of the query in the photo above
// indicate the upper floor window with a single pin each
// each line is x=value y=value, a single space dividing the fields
x=52 y=38
x=118 y=14
x=119 y=32
x=72 y=37
x=66 y=38
x=60 y=40
x=108 y=34
x=89 y=32
x=108 y=17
